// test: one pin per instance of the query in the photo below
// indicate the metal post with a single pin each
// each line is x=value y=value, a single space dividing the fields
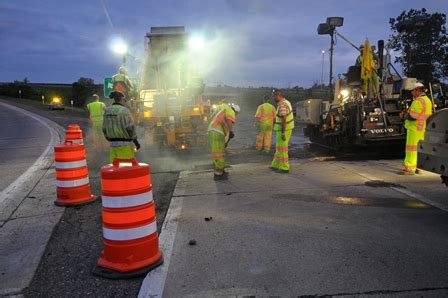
x=43 y=99
x=322 y=74
x=20 y=94
x=330 y=84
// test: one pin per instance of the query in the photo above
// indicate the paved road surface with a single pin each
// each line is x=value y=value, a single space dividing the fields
x=22 y=140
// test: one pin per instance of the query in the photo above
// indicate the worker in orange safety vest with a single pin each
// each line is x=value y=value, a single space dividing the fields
x=415 y=124
x=264 y=117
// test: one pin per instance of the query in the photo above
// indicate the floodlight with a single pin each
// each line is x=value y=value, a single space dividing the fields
x=323 y=29
x=120 y=48
x=197 y=42
x=335 y=21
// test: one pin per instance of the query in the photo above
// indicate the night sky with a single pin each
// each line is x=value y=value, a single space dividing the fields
x=249 y=42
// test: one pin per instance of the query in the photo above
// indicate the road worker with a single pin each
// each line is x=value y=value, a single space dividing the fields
x=96 y=110
x=415 y=124
x=264 y=117
x=121 y=82
x=119 y=129
x=220 y=127
x=283 y=126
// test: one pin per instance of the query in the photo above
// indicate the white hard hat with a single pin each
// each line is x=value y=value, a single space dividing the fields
x=418 y=85
x=235 y=107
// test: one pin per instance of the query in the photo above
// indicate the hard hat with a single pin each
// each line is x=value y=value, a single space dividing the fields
x=116 y=95
x=418 y=85
x=122 y=70
x=235 y=107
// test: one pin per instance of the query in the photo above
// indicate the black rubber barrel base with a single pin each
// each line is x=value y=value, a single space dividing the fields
x=93 y=199
x=112 y=274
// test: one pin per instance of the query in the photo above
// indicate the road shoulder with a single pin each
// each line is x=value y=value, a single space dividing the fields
x=28 y=217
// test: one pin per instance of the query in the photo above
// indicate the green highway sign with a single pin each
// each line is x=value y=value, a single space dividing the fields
x=108 y=87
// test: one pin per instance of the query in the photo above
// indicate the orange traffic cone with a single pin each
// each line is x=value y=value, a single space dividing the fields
x=73 y=133
x=131 y=243
x=72 y=175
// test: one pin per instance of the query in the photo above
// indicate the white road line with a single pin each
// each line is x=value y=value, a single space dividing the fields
x=154 y=282
x=407 y=192
x=42 y=161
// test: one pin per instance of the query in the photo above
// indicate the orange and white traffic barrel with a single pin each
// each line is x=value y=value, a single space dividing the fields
x=73 y=133
x=72 y=175
x=131 y=243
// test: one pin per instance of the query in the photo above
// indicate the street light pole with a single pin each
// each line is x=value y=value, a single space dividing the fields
x=322 y=73
x=330 y=84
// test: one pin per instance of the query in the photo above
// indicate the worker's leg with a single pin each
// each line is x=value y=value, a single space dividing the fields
x=268 y=138
x=121 y=152
x=410 y=161
x=281 y=158
x=97 y=132
x=217 y=144
x=260 y=135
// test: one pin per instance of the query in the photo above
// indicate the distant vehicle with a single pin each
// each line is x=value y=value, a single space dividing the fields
x=56 y=104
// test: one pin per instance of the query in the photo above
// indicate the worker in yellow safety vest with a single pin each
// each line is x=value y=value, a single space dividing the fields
x=264 y=117
x=415 y=124
x=119 y=129
x=96 y=110
x=284 y=124
x=220 y=127
x=121 y=82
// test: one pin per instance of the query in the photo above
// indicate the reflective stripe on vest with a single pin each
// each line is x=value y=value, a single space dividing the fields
x=127 y=201
x=130 y=234
x=70 y=164
x=289 y=117
x=72 y=183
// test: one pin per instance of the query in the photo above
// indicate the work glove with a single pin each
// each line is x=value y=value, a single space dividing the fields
x=137 y=144
x=231 y=135
x=283 y=137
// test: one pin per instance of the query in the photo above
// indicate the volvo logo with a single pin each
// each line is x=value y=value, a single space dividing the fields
x=382 y=130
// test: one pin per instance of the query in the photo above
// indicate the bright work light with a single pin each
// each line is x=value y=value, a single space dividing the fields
x=120 y=48
x=197 y=42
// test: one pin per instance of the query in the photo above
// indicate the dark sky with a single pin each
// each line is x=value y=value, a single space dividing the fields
x=250 y=42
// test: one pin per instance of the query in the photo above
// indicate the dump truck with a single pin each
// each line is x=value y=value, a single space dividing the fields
x=170 y=104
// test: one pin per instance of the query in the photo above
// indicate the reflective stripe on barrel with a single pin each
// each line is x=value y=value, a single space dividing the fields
x=72 y=183
x=127 y=201
x=70 y=164
x=130 y=234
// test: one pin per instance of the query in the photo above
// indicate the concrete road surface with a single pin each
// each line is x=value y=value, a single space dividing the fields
x=22 y=140
x=27 y=214
x=328 y=228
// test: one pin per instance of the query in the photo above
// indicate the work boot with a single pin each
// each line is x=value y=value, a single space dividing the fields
x=418 y=171
x=406 y=173
x=273 y=169
x=223 y=176
x=283 y=171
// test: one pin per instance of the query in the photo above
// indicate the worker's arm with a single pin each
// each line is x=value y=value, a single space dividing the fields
x=283 y=112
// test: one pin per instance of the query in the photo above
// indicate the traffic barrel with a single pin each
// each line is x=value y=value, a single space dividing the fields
x=130 y=238
x=73 y=133
x=72 y=175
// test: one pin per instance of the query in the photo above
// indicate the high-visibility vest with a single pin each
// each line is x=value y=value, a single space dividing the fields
x=118 y=126
x=218 y=122
x=420 y=110
x=96 y=109
x=286 y=106
x=265 y=113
